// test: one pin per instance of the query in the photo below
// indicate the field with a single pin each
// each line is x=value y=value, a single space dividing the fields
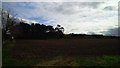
x=62 y=52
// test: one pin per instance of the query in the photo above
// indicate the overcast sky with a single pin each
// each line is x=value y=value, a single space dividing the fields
x=75 y=17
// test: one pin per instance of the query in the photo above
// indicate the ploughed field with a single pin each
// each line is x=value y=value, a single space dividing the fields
x=65 y=47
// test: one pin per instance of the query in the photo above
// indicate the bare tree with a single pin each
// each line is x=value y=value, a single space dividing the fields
x=8 y=22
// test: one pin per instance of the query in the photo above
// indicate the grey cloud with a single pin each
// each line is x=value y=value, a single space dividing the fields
x=84 y=4
x=110 y=8
x=92 y=33
x=91 y=4
x=69 y=7
x=113 y=32
x=74 y=29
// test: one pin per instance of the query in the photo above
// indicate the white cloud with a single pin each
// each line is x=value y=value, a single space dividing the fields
x=25 y=20
x=83 y=18
x=76 y=17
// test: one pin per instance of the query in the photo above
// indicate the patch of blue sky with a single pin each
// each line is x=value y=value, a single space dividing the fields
x=20 y=9
x=22 y=5
x=39 y=19
x=26 y=5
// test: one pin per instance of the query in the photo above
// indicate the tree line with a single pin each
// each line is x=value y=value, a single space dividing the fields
x=36 y=31
x=21 y=30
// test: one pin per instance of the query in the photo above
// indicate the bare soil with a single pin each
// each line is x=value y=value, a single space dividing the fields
x=65 y=47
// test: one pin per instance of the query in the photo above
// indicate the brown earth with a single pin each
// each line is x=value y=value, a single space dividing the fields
x=65 y=47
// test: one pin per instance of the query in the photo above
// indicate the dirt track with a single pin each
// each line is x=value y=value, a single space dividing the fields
x=66 y=47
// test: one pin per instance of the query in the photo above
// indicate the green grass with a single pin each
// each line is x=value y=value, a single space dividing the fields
x=6 y=53
x=99 y=61
x=105 y=60
x=8 y=60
